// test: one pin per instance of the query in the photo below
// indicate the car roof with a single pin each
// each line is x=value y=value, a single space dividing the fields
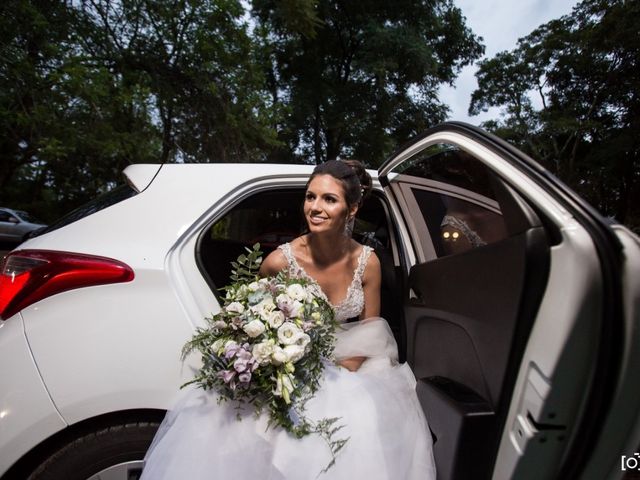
x=175 y=202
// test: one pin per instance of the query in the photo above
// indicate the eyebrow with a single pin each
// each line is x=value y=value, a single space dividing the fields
x=309 y=191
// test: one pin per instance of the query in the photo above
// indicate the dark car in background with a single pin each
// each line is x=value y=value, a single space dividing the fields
x=15 y=224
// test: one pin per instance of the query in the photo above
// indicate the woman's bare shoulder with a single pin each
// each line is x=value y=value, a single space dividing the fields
x=274 y=263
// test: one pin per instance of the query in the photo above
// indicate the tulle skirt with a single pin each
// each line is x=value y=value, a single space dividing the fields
x=388 y=436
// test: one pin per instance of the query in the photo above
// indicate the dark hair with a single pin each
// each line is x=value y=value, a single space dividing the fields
x=353 y=176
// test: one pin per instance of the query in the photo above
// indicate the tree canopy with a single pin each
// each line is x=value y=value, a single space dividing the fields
x=570 y=92
x=358 y=78
x=90 y=86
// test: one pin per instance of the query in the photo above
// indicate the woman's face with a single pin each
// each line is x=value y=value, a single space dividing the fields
x=325 y=205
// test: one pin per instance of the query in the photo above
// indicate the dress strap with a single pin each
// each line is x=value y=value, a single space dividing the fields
x=294 y=269
x=288 y=254
x=362 y=262
x=297 y=270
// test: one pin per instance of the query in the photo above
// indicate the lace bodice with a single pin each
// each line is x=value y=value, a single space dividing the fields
x=353 y=303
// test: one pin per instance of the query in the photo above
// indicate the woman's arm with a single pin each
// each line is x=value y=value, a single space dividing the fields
x=371 y=280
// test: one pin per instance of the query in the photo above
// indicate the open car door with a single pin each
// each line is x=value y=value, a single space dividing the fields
x=514 y=321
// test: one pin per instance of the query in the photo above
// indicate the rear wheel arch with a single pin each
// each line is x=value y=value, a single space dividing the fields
x=92 y=430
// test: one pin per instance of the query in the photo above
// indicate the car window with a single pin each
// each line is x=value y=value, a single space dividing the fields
x=268 y=218
x=105 y=200
x=453 y=191
x=5 y=216
x=272 y=218
x=27 y=217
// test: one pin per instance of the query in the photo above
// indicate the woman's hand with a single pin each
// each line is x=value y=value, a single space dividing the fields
x=352 y=363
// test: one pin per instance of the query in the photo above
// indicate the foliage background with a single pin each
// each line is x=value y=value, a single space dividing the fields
x=88 y=87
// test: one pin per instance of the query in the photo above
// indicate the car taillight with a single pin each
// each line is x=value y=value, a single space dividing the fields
x=28 y=276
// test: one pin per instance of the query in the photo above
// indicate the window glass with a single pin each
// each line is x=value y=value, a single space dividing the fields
x=270 y=218
x=455 y=195
x=27 y=217
x=451 y=165
x=5 y=216
x=101 y=202
x=457 y=225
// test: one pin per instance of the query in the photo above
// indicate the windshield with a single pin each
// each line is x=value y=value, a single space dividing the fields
x=27 y=217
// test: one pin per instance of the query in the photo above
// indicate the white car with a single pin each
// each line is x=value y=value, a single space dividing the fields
x=514 y=302
x=15 y=224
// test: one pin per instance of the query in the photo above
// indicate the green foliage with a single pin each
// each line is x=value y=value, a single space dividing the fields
x=365 y=78
x=584 y=71
x=273 y=382
x=89 y=87
x=245 y=268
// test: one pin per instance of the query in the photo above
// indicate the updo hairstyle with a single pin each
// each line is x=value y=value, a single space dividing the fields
x=351 y=173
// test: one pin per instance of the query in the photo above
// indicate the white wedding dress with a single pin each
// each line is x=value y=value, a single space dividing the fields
x=381 y=416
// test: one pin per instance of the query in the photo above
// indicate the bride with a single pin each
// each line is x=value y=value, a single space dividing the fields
x=374 y=396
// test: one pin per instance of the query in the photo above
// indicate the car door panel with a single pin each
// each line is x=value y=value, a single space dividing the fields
x=460 y=421
x=473 y=299
x=477 y=292
x=461 y=328
x=569 y=344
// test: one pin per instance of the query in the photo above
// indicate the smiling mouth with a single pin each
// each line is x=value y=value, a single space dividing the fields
x=316 y=220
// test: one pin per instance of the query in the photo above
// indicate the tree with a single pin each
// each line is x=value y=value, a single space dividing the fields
x=197 y=61
x=584 y=71
x=89 y=87
x=359 y=78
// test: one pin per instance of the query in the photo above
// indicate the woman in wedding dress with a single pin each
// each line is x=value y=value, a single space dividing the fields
x=371 y=393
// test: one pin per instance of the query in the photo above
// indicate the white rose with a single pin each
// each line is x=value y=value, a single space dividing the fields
x=297 y=292
x=283 y=300
x=254 y=328
x=217 y=345
x=262 y=351
x=288 y=333
x=294 y=352
x=263 y=308
x=278 y=356
x=253 y=286
x=296 y=309
x=275 y=319
x=235 y=307
x=303 y=340
x=242 y=291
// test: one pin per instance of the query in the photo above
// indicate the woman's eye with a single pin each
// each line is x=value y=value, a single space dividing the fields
x=331 y=200
x=308 y=196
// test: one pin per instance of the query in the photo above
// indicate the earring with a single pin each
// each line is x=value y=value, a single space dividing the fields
x=348 y=226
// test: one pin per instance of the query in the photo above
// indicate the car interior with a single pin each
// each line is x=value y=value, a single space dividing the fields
x=273 y=217
x=463 y=312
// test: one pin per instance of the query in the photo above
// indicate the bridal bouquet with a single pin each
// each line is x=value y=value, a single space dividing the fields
x=266 y=347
